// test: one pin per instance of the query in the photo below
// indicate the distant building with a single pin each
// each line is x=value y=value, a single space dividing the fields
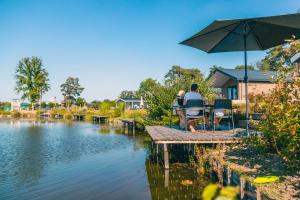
x=132 y=103
x=231 y=82
x=7 y=108
x=17 y=105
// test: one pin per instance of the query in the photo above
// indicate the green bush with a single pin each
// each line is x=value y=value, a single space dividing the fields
x=159 y=96
x=134 y=114
x=55 y=112
x=5 y=113
x=15 y=114
x=68 y=116
x=88 y=118
x=281 y=124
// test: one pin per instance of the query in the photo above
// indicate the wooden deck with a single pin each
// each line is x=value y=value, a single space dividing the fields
x=78 y=117
x=129 y=123
x=99 y=118
x=165 y=135
x=129 y=120
x=45 y=115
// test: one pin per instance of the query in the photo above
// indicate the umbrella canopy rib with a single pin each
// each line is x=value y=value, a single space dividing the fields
x=256 y=38
x=222 y=39
x=206 y=33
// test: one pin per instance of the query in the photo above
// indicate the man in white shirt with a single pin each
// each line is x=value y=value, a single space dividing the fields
x=193 y=94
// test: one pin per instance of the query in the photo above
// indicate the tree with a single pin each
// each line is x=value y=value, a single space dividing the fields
x=213 y=68
x=159 y=96
x=179 y=78
x=31 y=79
x=279 y=56
x=80 y=101
x=43 y=105
x=106 y=106
x=51 y=105
x=95 y=104
x=127 y=94
x=249 y=67
x=147 y=87
x=71 y=89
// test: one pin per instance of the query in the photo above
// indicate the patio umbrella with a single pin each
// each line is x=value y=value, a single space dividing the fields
x=247 y=34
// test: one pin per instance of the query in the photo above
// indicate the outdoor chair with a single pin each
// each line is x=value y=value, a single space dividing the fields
x=194 y=105
x=226 y=105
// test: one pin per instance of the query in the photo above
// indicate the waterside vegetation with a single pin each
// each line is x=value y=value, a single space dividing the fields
x=278 y=131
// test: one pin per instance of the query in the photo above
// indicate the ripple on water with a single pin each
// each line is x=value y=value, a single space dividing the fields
x=76 y=161
x=75 y=156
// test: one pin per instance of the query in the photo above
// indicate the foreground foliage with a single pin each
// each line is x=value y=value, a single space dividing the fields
x=216 y=192
x=280 y=126
x=279 y=56
x=281 y=123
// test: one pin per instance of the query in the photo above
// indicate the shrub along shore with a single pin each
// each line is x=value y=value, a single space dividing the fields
x=279 y=126
x=68 y=114
x=264 y=175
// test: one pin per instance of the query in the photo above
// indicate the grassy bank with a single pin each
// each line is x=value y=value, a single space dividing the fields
x=140 y=116
x=250 y=164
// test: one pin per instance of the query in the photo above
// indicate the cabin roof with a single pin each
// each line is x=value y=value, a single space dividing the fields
x=220 y=76
x=253 y=75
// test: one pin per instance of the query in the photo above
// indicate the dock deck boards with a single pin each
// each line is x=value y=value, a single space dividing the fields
x=128 y=120
x=166 y=135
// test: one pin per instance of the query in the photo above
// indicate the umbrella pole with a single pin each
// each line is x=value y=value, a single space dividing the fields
x=246 y=78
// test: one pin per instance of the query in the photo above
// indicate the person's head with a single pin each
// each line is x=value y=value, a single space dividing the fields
x=194 y=87
x=181 y=93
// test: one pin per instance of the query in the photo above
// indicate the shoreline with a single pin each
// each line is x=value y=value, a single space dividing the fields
x=239 y=163
x=244 y=164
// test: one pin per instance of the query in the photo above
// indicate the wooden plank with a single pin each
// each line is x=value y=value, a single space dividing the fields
x=165 y=135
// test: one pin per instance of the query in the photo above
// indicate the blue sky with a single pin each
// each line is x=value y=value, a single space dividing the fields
x=112 y=45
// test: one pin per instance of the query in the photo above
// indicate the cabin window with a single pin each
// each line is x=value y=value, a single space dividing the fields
x=232 y=93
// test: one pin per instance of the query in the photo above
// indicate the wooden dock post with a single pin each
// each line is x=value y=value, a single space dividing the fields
x=133 y=127
x=242 y=187
x=123 y=126
x=167 y=177
x=258 y=195
x=130 y=124
x=228 y=176
x=166 y=156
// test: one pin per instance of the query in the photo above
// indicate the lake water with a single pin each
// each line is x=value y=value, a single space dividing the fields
x=56 y=160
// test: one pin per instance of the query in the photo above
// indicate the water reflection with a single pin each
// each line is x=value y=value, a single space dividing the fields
x=173 y=187
x=170 y=184
x=29 y=160
x=104 y=129
x=55 y=160
x=28 y=147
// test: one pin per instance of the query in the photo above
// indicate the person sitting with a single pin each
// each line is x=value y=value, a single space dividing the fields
x=192 y=95
x=177 y=108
